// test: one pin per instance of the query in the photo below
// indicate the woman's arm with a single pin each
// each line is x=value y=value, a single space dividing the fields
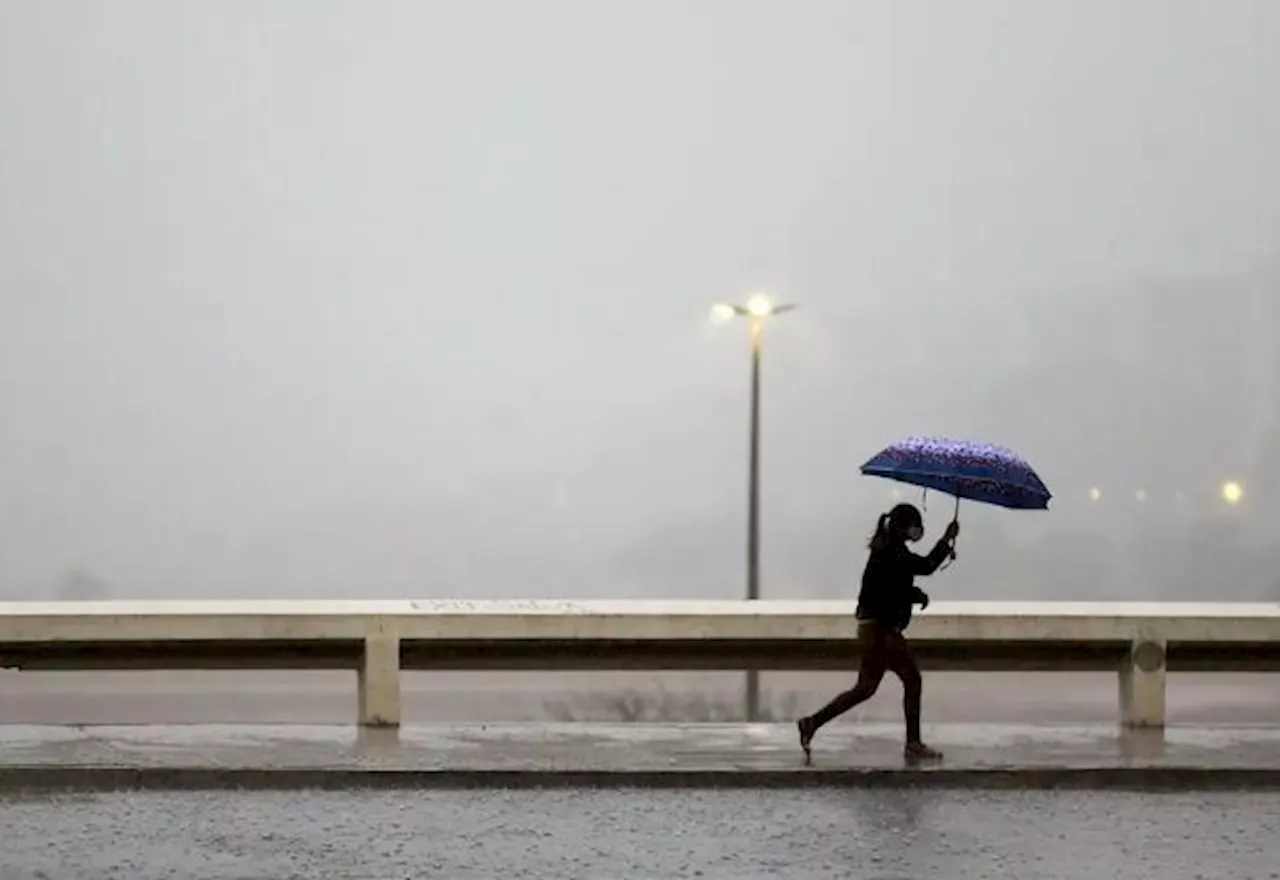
x=927 y=565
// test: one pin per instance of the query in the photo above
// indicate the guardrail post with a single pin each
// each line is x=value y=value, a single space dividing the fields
x=1142 y=684
x=378 y=679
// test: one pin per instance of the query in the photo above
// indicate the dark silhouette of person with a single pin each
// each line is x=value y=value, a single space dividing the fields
x=884 y=611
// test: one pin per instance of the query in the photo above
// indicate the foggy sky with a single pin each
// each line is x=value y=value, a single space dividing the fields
x=379 y=298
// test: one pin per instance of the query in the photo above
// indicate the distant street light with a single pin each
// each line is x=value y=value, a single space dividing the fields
x=1232 y=492
x=757 y=310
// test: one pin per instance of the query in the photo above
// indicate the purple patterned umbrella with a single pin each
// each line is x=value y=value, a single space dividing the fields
x=976 y=471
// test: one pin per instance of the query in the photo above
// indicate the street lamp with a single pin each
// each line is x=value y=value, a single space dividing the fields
x=1232 y=492
x=756 y=310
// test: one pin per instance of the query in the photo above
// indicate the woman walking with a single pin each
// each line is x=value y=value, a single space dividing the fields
x=884 y=611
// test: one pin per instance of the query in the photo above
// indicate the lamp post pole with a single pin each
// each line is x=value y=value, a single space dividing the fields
x=757 y=309
x=752 y=707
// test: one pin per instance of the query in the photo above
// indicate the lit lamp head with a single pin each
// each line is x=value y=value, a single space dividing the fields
x=722 y=312
x=757 y=308
x=1232 y=492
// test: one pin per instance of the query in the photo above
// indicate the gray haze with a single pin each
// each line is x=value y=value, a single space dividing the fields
x=410 y=299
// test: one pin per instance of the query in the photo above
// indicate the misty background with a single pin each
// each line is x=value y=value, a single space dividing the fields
x=394 y=299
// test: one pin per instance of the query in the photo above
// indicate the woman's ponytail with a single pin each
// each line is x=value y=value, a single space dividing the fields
x=881 y=537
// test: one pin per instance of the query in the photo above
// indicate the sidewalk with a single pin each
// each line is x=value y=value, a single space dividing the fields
x=613 y=755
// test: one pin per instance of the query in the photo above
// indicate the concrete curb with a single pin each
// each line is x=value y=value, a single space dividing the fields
x=107 y=779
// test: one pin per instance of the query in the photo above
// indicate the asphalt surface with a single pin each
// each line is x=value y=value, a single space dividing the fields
x=717 y=835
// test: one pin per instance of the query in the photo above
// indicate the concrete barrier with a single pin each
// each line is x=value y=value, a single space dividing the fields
x=1141 y=642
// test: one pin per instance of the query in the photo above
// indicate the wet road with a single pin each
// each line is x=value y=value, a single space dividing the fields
x=745 y=756
x=734 y=835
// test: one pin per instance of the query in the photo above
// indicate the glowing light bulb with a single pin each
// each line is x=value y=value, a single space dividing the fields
x=759 y=306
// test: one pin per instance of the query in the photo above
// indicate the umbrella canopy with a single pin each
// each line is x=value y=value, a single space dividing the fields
x=980 y=472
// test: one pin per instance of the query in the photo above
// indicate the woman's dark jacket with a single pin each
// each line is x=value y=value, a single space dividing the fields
x=888 y=582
